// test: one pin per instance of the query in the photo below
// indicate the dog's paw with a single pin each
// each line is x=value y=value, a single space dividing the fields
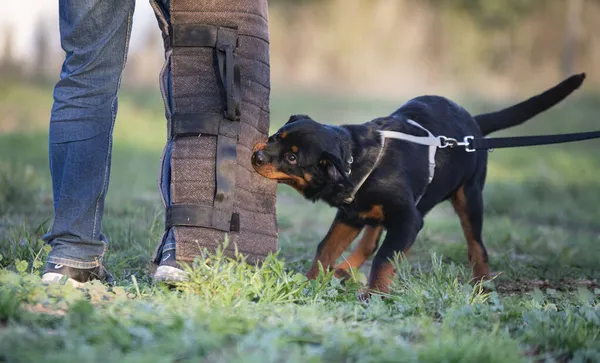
x=364 y=296
x=311 y=274
x=342 y=274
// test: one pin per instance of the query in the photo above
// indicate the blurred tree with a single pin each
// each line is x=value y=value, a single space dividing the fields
x=7 y=52
x=491 y=14
x=497 y=20
x=293 y=2
x=9 y=68
x=498 y=14
x=573 y=30
x=41 y=63
x=144 y=60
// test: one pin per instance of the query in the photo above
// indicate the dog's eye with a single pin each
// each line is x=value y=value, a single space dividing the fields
x=290 y=158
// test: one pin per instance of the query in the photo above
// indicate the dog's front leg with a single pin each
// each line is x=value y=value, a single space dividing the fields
x=340 y=235
x=402 y=229
x=365 y=248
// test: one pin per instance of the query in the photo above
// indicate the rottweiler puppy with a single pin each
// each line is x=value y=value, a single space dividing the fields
x=379 y=184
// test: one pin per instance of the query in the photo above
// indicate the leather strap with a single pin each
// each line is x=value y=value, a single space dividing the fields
x=226 y=164
x=229 y=71
x=193 y=124
x=186 y=215
x=194 y=35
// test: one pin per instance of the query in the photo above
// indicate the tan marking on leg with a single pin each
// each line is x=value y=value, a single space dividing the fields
x=376 y=212
x=339 y=237
x=477 y=259
x=381 y=277
x=365 y=248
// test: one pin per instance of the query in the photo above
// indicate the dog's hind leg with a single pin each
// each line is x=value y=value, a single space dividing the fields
x=365 y=248
x=340 y=235
x=468 y=204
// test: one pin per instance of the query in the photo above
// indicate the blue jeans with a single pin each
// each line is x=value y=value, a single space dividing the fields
x=95 y=37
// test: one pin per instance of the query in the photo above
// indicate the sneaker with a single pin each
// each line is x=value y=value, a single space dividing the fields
x=168 y=271
x=77 y=277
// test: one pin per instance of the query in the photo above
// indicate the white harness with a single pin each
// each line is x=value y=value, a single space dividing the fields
x=434 y=142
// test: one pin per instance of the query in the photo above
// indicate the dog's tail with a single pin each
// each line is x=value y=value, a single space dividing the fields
x=521 y=112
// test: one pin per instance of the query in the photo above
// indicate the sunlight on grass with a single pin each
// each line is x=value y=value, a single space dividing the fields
x=553 y=164
x=231 y=311
x=541 y=231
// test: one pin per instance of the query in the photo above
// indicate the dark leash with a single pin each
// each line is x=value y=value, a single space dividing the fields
x=472 y=144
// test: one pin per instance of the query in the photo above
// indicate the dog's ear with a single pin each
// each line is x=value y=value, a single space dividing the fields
x=334 y=168
x=294 y=118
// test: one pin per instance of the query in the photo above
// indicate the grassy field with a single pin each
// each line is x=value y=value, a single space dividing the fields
x=542 y=230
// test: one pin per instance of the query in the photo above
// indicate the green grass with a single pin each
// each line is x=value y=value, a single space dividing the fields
x=541 y=228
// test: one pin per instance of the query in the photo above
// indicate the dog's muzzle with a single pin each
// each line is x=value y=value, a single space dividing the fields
x=259 y=158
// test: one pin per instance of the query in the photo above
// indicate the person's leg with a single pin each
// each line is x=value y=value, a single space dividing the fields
x=216 y=86
x=95 y=37
x=168 y=269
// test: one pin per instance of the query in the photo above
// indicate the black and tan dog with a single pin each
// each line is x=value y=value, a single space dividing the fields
x=389 y=187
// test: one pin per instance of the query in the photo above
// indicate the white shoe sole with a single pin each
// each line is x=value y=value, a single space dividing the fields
x=169 y=274
x=54 y=278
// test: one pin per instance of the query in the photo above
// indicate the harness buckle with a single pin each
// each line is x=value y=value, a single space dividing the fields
x=466 y=142
x=452 y=142
x=447 y=142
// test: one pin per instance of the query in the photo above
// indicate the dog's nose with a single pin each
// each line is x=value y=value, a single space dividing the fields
x=259 y=158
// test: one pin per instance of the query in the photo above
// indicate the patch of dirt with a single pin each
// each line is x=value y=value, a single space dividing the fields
x=521 y=286
x=41 y=309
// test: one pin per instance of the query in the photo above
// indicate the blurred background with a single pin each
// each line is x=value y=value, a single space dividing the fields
x=499 y=48
x=341 y=61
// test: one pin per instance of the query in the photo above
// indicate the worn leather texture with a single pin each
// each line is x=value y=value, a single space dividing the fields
x=197 y=89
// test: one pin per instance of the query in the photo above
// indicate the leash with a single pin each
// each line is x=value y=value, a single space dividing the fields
x=518 y=141
x=470 y=143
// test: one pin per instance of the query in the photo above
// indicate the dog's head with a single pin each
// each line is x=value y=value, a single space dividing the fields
x=310 y=157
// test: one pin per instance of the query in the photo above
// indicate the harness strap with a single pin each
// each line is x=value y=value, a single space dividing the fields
x=432 y=150
x=350 y=198
x=432 y=141
x=470 y=143
x=429 y=140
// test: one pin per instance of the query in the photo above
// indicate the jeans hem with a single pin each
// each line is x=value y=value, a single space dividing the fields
x=168 y=247
x=74 y=263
